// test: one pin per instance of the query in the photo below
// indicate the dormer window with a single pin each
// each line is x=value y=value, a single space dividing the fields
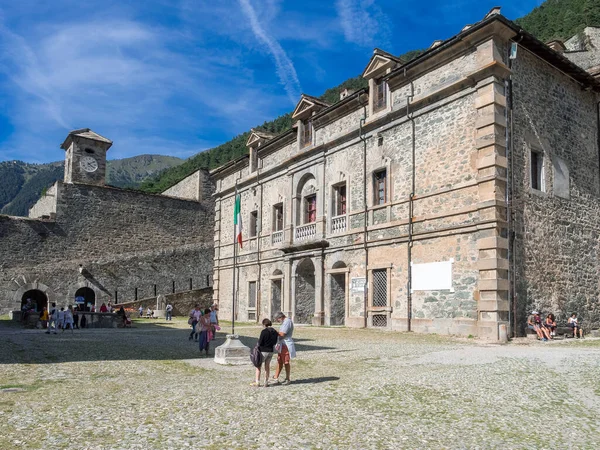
x=379 y=95
x=306 y=133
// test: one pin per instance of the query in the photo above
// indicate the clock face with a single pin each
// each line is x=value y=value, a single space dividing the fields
x=89 y=164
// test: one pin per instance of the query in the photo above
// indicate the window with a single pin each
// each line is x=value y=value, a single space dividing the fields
x=379 y=95
x=252 y=300
x=310 y=211
x=339 y=199
x=278 y=217
x=537 y=171
x=380 y=287
x=252 y=294
x=253 y=223
x=306 y=136
x=379 y=186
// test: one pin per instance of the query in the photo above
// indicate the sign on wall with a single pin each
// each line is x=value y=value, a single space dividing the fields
x=436 y=276
x=358 y=284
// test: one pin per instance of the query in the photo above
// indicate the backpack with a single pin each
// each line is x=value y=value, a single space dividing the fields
x=256 y=356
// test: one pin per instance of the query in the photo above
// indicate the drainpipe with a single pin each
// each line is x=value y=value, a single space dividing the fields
x=512 y=303
x=508 y=198
x=409 y=115
x=598 y=135
x=365 y=209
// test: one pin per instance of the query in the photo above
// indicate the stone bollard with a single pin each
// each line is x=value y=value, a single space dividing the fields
x=503 y=334
x=232 y=352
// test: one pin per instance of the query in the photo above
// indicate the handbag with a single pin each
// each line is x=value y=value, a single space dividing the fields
x=190 y=320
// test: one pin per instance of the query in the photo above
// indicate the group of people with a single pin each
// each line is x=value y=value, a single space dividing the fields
x=57 y=319
x=273 y=341
x=546 y=328
x=204 y=325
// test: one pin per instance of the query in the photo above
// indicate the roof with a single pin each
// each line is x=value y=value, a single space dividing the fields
x=84 y=133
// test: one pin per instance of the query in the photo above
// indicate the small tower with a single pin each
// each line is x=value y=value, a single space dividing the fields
x=85 y=159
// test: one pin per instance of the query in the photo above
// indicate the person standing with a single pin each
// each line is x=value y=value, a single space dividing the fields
x=44 y=318
x=68 y=321
x=53 y=319
x=195 y=315
x=76 y=316
x=141 y=310
x=286 y=347
x=204 y=325
x=169 y=311
x=266 y=344
x=214 y=317
x=61 y=318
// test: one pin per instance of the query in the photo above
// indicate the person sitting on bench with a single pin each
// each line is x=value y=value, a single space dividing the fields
x=573 y=323
x=534 y=322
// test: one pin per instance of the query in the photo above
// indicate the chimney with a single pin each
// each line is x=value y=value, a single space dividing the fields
x=345 y=93
x=557 y=46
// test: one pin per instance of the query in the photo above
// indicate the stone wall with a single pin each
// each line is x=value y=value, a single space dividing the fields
x=198 y=186
x=116 y=242
x=584 y=48
x=183 y=302
x=46 y=206
x=557 y=228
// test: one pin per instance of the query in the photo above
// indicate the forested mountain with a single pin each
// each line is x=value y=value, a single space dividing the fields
x=554 y=19
x=561 y=19
x=21 y=184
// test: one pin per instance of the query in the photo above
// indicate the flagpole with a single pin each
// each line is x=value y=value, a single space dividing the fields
x=234 y=263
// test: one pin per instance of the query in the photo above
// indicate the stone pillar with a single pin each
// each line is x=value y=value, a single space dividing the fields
x=492 y=244
x=318 y=318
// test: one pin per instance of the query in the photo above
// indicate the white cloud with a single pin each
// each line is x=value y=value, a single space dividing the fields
x=285 y=68
x=363 y=22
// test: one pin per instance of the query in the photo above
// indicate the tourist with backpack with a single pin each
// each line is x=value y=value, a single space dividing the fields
x=263 y=351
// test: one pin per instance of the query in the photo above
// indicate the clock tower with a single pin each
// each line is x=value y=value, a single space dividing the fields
x=85 y=160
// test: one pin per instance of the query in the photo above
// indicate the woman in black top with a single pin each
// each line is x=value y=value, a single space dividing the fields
x=266 y=343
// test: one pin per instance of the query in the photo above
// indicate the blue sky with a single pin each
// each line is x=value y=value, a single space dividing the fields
x=176 y=77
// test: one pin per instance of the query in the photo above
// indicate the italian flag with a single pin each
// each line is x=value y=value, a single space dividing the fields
x=237 y=219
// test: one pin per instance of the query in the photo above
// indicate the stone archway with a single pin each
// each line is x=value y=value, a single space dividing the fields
x=305 y=292
x=25 y=285
x=39 y=300
x=338 y=286
x=88 y=295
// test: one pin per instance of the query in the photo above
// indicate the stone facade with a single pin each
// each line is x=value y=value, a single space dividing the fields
x=198 y=186
x=116 y=244
x=405 y=206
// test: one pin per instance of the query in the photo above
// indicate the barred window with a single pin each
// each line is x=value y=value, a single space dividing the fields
x=380 y=287
x=253 y=224
x=310 y=214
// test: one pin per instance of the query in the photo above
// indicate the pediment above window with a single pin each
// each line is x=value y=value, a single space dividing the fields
x=307 y=106
x=258 y=137
x=379 y=64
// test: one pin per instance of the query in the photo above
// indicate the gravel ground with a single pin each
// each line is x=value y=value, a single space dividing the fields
x=146 y=388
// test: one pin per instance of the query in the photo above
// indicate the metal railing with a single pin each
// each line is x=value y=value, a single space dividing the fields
x=306 y=231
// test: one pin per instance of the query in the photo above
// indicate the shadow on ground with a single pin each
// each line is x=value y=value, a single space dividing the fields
x=145 y=341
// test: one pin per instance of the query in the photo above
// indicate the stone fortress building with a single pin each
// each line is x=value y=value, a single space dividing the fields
x=457 y=192
x=84 y=238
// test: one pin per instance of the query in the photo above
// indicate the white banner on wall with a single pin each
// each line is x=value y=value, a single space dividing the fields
x=436 y=276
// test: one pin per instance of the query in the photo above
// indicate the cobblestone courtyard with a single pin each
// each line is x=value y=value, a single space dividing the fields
x=146 y=388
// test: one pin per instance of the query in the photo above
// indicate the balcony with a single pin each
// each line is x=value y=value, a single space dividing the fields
x=338 y=224
x=277 y=237
x=304 y=232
